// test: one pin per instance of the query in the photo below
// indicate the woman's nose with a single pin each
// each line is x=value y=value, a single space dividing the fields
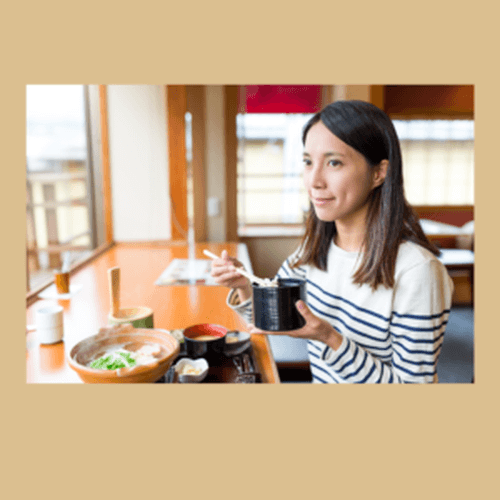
x=317 y=178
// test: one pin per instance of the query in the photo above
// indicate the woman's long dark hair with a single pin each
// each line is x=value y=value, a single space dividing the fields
x=390 y=219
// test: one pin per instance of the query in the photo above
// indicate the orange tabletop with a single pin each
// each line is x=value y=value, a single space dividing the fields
x=175 y=307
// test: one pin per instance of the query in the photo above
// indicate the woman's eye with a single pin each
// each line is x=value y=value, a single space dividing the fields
x=306 y=162
x=334 y=163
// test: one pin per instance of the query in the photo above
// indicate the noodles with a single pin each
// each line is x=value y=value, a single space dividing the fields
x=268 y=283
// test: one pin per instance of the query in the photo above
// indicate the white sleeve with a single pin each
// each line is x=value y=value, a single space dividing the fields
x=421 y=306
x=244 y=309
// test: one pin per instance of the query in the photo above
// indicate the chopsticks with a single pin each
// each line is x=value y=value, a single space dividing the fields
x=251 y=277
x=245 y=376
x=210 y=254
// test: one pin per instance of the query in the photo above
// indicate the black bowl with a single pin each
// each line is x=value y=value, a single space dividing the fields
x=236 y=343
x=274 y=307
x=209 y=349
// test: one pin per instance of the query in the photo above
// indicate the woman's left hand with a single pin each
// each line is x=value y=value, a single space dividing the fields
x=314 y=329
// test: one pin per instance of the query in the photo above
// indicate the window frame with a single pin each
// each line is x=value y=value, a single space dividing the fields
x=98 y=181
x=235 y=104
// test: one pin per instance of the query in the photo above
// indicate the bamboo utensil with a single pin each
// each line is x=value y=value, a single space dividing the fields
x=140 y=317
x=114 y=290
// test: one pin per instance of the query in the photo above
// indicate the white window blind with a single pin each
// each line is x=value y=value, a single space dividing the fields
x=438 y=165
x=438 y=161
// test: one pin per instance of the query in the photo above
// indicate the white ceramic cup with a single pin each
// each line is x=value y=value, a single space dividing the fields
x=49 y=324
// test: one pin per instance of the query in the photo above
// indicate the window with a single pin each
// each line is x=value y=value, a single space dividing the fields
x=438 y=164
x=270 y=187
x=438 y=161
x=269 y=167
x=59 y=179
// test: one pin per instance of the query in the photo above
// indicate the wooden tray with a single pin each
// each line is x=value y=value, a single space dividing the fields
x=221 y=371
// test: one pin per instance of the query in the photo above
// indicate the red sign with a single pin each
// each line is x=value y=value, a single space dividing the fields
x=283 y=98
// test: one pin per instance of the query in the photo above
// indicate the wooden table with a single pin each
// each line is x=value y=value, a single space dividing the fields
x=175 y=307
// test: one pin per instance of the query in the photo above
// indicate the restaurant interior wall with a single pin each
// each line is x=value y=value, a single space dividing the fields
x=139 y=162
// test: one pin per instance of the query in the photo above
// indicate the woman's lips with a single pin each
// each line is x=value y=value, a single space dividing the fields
x=322 y=201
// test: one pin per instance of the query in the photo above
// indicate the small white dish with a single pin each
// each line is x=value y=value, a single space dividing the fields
x=51 y=292
x=200 y=364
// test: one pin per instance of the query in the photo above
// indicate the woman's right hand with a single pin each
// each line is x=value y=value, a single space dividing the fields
x=224 y=273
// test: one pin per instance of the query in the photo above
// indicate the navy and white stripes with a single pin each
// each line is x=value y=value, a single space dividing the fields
x=389 y=335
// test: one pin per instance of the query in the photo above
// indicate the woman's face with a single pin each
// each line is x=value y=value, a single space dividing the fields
x=338 y=178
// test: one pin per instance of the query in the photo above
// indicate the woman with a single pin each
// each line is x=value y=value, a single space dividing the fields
x=378 y=299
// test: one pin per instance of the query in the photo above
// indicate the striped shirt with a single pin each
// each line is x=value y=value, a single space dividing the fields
x=389 y=335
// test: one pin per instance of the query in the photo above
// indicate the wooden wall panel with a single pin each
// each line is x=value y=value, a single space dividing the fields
x=377 y=95
x=176 y=111
x=231 y=93
x=447 y=214
x=429 y=100
x=106 y=169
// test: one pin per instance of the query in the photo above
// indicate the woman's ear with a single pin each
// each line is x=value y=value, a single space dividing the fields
x=379 y=173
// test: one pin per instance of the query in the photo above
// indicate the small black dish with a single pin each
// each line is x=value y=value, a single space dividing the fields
x=274 y=306
x=236 y=343
x=209 y=349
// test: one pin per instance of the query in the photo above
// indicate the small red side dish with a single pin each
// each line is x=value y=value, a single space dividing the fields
x=205 y=340
x=205 y=329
